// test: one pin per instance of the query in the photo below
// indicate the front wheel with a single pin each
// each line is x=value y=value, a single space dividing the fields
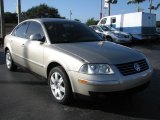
x=108 y=38
x=60 y=85
x=9 y=62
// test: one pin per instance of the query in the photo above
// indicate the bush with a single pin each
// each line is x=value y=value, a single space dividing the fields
x=91 y=21
x=10 y=17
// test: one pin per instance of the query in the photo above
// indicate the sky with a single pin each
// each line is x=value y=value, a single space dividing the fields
x=81 y=9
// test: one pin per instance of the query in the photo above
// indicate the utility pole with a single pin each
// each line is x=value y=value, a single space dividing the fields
x=2 y=22
x=150 y=8
x=19 y=10
x=101 y=10
x=70 y=14
x=109 y=8
x=107 y=5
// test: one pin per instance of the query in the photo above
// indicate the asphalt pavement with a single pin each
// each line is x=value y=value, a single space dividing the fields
x=24 y=96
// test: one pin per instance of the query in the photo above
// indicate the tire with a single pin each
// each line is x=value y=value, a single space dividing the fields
x=9 y=62
x=108 y=38
x=60 y=85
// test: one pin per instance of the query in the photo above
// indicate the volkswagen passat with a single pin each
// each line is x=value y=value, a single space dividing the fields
x=74 y=59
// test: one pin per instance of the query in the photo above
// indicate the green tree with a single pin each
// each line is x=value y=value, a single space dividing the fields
x=91 y=21
x=41 y=11
x=10 y=17
x=135 y=2
x=158 y=5
x=153 y=7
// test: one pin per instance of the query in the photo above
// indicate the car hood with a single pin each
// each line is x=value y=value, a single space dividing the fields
x=100 y=52
x=119 y=32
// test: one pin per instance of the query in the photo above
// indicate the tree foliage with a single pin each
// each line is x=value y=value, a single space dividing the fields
x=158 y=5
x=135 y=2
x=91 y=21
x=41 y=11
x=10 y=17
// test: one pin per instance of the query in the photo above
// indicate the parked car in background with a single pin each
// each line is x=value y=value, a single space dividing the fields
x=141 y=25
x=158 y=32
x=74 y=59
x=98 y=31
x=111 y=34
x=158 y=29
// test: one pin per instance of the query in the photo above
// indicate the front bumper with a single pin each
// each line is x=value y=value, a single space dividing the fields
x=108 y=83
x=126 y=92
x=122 y=40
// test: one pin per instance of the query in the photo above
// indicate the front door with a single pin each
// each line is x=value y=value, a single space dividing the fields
x=34 y=49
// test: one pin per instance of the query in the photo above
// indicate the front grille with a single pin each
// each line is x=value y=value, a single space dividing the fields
x=133 y=67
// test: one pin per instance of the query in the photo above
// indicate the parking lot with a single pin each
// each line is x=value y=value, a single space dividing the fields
x=24 y=96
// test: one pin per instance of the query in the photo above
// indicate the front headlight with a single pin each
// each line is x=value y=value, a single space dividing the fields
x=96 y=69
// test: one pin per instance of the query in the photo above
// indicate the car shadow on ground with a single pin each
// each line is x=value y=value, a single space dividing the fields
x=151 y=44
x=24 y=82
x=2 y=58
x=144 y=105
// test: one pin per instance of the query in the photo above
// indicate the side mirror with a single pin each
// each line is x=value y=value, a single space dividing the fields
x=36 y=37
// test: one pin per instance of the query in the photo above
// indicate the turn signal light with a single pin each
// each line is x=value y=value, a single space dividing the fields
x=83 y=81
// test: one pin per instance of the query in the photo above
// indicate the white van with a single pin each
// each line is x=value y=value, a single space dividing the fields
x=140 y=25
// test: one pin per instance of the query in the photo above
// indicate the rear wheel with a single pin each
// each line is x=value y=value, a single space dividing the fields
x=9 y=62
x=60 y=85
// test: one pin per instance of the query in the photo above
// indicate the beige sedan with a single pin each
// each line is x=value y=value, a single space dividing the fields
x=74 y=59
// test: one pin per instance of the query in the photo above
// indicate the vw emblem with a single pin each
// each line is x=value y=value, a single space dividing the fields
x=137 y=67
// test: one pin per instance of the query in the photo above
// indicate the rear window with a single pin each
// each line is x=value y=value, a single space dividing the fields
x=20 y=31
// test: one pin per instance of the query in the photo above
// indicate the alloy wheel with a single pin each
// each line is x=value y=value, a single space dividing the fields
x=8 y=60
x=57 y=85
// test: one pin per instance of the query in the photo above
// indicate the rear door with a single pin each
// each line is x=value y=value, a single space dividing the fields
x=18 y=41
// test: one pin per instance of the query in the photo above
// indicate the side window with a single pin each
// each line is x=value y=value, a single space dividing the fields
x=34 y=28
x=103 y=21
x=94 y=28
x=113 y=20
x=20 y=31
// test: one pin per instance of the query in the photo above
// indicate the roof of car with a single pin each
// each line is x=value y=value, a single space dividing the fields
x=49 y=20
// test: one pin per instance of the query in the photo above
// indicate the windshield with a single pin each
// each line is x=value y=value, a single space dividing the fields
x=98 y=28
x=108 y=28
x=68 y=32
